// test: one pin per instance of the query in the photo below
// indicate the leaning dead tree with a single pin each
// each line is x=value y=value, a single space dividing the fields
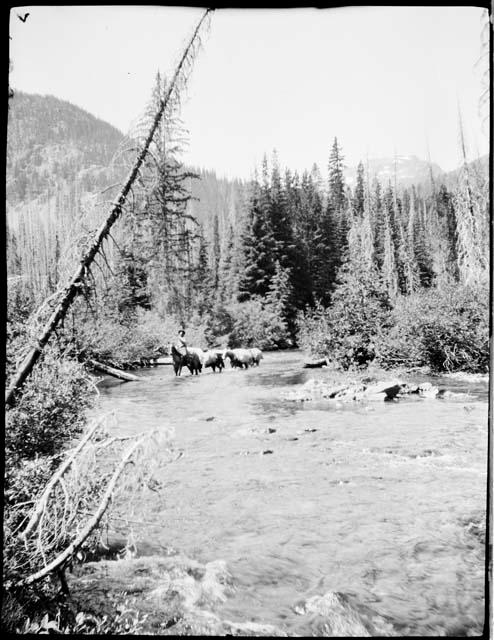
x=75 y=284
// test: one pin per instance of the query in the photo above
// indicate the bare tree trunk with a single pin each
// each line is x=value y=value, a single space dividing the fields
x=77 y=279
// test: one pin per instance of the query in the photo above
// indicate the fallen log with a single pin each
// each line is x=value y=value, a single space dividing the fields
x=116 y=373
x=324 y=362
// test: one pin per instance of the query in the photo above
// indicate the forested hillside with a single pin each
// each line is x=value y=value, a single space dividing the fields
x=50 y=140
x=62 y=168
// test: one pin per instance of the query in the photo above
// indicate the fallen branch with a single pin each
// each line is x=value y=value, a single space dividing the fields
x=55 y=478
x=59 y=561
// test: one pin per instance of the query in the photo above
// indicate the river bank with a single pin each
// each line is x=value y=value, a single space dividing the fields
x=375 y=502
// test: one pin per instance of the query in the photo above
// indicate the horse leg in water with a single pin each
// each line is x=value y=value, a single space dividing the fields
x=177 y=361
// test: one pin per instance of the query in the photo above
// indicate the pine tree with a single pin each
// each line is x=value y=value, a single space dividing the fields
x=203 y=281
x=279 y=218
x=336 y=183
x=216 y=253
x=410 y=279
x=422 y=241
x=447 y=221
x=278 y=303
x=337 y=213
x=161 y=232
x=298 y=213
x=258 y=244
x=359 y=193
x=367 y=232
x=377 y=216
x=389 y=271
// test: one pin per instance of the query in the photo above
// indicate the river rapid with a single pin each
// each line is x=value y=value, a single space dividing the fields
x=381 y=502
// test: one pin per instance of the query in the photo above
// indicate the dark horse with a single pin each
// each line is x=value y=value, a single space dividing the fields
x=190 y=360
x=178 y=360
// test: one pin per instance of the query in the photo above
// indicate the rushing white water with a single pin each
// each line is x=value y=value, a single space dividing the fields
x=300 y=500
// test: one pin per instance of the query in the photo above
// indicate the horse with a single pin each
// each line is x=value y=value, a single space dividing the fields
x=213 y=359
x=178 y=360
x=193 y=362
x=239 y=357
x=200 y=353
x=256 y=355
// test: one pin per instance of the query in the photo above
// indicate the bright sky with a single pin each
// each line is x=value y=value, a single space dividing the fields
x=384 y=80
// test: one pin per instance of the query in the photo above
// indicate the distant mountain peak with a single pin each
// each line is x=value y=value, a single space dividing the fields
x=408 y=169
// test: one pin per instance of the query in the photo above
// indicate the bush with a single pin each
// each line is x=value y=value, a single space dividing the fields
x=109 y=341
x=446 y=329
x=257 y=325
x=51 y=409
x=348 y=331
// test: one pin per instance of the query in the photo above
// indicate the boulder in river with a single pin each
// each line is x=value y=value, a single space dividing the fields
x=355 y=391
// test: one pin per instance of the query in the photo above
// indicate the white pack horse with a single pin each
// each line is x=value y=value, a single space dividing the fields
x=239 y=357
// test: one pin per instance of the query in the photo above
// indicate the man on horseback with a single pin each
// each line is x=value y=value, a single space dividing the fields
x=179 y=351
x=180 y=344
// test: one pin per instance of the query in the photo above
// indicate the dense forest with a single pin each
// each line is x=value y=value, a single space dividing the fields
x=233 y=262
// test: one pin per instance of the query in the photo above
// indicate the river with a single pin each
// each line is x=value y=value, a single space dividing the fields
x=374 y=501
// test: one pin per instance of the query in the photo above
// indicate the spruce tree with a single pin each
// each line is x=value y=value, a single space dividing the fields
x=337 y=213
x=216 y=253
x=258 y=244
x=359 y=192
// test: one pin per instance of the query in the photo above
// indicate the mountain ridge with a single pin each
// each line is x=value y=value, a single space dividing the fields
x=49 y=139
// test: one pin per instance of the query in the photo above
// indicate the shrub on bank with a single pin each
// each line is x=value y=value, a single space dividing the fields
x=446 y=329
x=48 y=414
x=257 y=325
x=348 y=331
x=51 y=409
x=111 y=342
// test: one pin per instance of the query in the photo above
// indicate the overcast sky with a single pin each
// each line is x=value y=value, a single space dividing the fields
x=384 y=80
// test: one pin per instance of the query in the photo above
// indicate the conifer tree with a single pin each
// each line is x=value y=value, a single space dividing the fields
x=258 y=243
x=359 y=193
x=377 y=216
x=203 y=289
x=367 y=232
x=422 y=242
x=216 y=253
x=337 y=212
x=336 y=182
x=389 y=271
x=410 y=279
x=447 y=221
